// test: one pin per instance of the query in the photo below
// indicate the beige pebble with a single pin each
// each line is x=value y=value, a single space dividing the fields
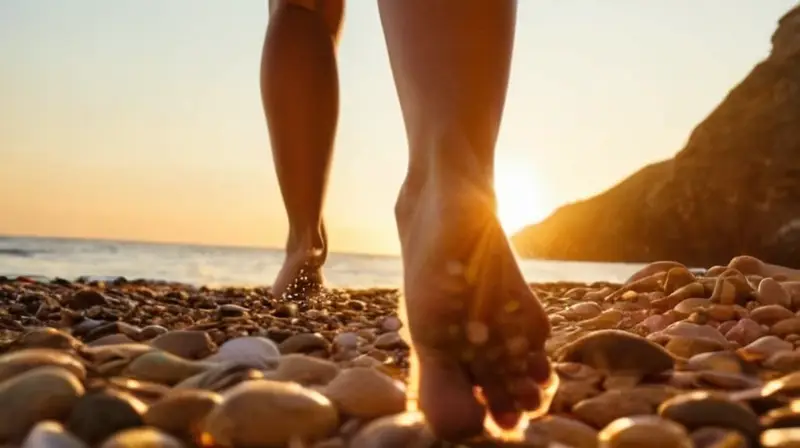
x=43 y=393
x=182 y=411
x=252 y=351
x=644 y=431
x=684 y=347
x=781 y=438
x=111 y=339
x=786 y=327
x=582 y=311
x=15 y=363
x=165 y=368
x=713 y=437
x=677 y=277
x=304 y=369
x=783 y=361
x=726 y=362
x=601 y=410
x=614 y=350
x=770 y=314
x=770 y=292
x=303 y=343
x=690 y=305
x=764 y=347
x=564 y=430
x=366 y=393
x=698 y=409
x=51 y=434
x=186 y=344
x=46 y=338
x=142 y=438
x=397 y=431
x=269 y=414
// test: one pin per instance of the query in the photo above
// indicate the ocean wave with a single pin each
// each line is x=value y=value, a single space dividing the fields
x=16 y=252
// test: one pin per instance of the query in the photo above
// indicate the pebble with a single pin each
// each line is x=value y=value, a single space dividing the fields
x=673 y=357
x=270 y=414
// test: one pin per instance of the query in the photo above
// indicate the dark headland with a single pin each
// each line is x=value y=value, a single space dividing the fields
x=733 y=189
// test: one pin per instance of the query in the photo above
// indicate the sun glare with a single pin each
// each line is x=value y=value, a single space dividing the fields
x=519 y=201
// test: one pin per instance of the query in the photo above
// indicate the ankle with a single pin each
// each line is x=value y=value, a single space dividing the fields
x=308 y=238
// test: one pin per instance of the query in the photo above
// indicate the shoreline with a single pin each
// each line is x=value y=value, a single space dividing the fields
x=683 y=359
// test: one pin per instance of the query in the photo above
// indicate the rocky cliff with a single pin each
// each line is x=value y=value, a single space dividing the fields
x=734 y=189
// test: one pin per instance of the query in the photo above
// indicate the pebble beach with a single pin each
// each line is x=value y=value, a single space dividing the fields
x=670 y=358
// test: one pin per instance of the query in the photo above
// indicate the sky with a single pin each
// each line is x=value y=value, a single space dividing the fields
x=142 y=120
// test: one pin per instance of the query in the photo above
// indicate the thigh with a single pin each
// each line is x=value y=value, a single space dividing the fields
x=332 y=11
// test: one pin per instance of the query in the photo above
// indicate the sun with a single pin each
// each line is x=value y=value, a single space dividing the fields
x=519 y=201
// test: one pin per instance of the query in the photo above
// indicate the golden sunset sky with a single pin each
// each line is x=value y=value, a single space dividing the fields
x=141 y=119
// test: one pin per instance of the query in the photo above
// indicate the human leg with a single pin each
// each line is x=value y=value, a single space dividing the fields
x=300 y=94
x=473 y=319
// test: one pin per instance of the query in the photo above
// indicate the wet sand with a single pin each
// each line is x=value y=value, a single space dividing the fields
x=668 y=359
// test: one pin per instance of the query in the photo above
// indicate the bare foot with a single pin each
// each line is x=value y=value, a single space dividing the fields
x=301 y=273
x=474 y=322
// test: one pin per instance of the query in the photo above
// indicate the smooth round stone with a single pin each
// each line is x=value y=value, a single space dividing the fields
x=770 y=314
x=186 y=344
x=98 y=415
x=785 y=417
x=164 y=368
x=152 y=331
x=390 y=341
x=764 y=347
x=654 y=268
x=15 y=363
x=142 y=438
x=781 y=438
x=252 y=351
x=726 y=362
x=614 y=350
x=564 y=430
x=786 y=327
x=392 y=323
x=582 y=311
x=182 y=411
x=677 y=277
x=396 y=431
x=46 y=338
x=111 y=339
x=783 y=361
x=269 y=414
x=303 y=343
x=745 y=331
x=43 y=393
x=601 y=410
x=346 y=341
x=644 y=432
x=51 y=434
x=787 y=386
x=690 y=330
x=697 y=409
x=221 y=377
x=366 y=393
x=712 y=437
x=305 y=370
x=682 y=347
x=690 y=305
x=770 y=292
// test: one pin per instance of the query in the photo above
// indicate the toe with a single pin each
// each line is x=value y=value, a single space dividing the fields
x=501 y=403
x=447 y=399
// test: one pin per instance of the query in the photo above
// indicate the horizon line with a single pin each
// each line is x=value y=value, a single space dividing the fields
x=176 y=243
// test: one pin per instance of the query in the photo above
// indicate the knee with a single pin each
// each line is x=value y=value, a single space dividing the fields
x=331 y=11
